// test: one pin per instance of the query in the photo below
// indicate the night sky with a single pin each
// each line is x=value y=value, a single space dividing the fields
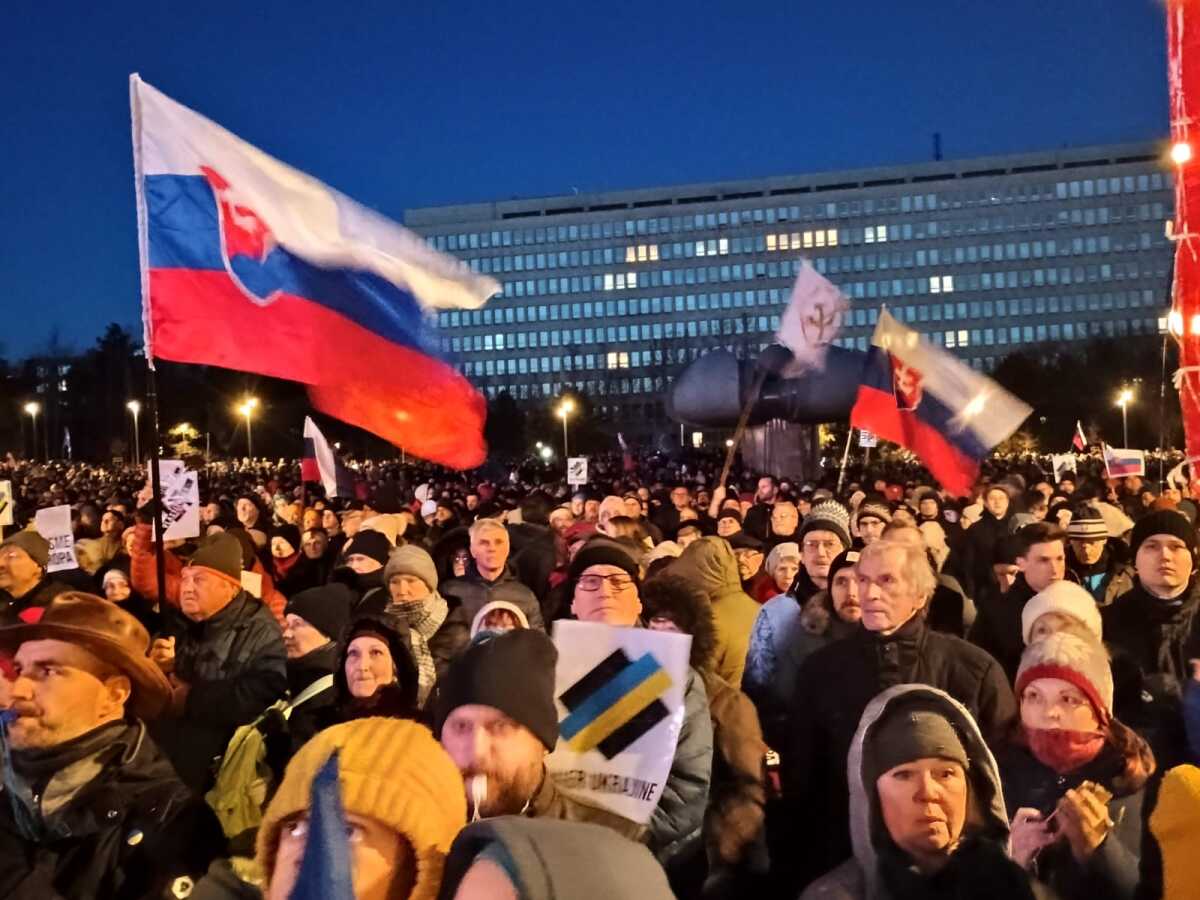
x=400 y=104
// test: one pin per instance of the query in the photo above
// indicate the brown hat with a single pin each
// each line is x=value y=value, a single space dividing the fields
x=220 y=553
x=105 y=630
x=36 y=546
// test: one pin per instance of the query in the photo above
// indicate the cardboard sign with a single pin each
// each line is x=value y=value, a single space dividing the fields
x=577 y=470
x=54 y=524
x=867 y=439
x=181 y=499
x=6 y=504
x=1064 y=463
x=620 y=697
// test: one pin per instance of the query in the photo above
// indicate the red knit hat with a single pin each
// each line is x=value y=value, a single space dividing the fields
x=1080 y=661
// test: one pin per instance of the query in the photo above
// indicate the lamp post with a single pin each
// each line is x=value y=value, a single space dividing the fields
x=1123 y=400
x=32 y=408
x=135 y=407
x=246 y=408
x=564 y=410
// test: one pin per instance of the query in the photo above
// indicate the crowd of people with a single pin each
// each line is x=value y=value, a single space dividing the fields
x=892 y=693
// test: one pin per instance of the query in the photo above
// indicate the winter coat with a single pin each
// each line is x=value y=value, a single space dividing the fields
x=978 y=549
x=833 y=688
x=1107 y=578
x=557 y=860
x=950 y=609
x=284 y=736
x=1151 y=641
x=553 y=802
x=1111 y=873
x=39 y=595
x=878 y=870
x=785 y=634
x=451 y=638
x=397 y=700
x=997 y=627
x=679 y=815
x=235 y=666
x=710 y=565
x=123 y=826
x=534 y=558
x=474 y=593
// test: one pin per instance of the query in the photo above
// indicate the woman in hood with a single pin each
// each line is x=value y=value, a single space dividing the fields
x=782 y=565
x=927 y=815
x=376 y=674
x=1073 y=773
x=786 y=633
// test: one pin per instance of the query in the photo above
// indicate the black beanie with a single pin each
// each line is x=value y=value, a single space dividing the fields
x=1165 y=521
x=289 y=533
x=601 y=551
x=222 y=553
x=326 y=608
x=370 y=543
x=511 y=672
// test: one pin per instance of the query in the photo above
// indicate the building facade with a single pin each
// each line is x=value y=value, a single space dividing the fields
x=612 y=293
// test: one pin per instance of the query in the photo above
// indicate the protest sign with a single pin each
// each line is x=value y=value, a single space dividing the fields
x=577 y=470
x=867 y=439
x=6 y=504
x=54 y=524
x=1064 y=463
x=181 y=499
x=620 y=696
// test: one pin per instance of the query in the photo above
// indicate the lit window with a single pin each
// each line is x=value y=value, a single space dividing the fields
x=947 y=284
x=821 y=238
x=654 y=252
x=772 y=242
x=608 y=282
x=962 y=339
x=723 y=246
x=785 y=242
x=831 y=237
x=699 y=248
x=630 y=254
x=935 y=285
x=808 y=239
x=880 y=234
x=950 y=339
x=641 y=253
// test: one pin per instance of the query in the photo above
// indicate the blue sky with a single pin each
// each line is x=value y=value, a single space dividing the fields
x=399 y=104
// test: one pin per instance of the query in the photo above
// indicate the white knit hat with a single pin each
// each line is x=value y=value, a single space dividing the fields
x=1066 y=598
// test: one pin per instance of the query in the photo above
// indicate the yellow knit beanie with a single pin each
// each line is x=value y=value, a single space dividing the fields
x=1175 y=824
x=389 y=769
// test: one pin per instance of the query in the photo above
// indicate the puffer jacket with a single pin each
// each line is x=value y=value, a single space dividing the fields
x=126 y=828
x=978 y=868
x=709 y=564
x=680 y=812
x=473 y=593
x=785 y=634
x=235 y=666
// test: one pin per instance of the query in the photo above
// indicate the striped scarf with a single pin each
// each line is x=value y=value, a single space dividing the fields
x=424 y=618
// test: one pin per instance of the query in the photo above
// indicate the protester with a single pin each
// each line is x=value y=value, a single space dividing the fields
x=376 y=674
x=926 y=808
x=91 y=807
x=489 y=576
x=496 y=717
x=223 y=653
x=1071 y=760
x=871 y=517
x=782 y=565
x=117 y=589
x=24 y=582
x=1096 y=561
x=824 y=534
x=403 y=803
x=894 y=646
x=981 y=537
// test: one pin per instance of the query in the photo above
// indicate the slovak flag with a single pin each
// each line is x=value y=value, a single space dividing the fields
x=249 y=264
x=922 y=398
x=1079 y=440
x=320 y=463
x=1120 y=462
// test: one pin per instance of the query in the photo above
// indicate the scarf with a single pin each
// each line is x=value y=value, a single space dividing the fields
x=1063 y=750
x=423 y=618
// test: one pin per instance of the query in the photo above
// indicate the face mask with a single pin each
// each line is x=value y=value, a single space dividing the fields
x=1062 y=750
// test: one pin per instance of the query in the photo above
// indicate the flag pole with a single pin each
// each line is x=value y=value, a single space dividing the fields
x=759 y=378
x=160 y=557
x=845 y=460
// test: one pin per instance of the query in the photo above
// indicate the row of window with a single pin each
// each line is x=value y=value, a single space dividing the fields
x=771 y=242
x=1008 y=193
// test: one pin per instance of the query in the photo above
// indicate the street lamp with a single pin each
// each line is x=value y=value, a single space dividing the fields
x=1123 y=400
x=135 y=407
x=246 y=408
x=32 y=409
x=564 y=410
x=547 y=453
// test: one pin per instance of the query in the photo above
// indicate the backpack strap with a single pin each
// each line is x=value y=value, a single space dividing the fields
x=322 y=684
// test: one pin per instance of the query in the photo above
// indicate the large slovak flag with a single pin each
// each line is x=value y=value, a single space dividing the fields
x=250 y=264
x=922 y=398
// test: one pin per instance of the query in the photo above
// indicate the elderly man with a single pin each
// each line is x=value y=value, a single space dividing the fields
x=1041 y=561
x=1096 y=561
x=610 y=507
x=496 y=717
x=1154 y=631
x=91 y=807
x=835 y=684
x=489 y=577
x=223 y=653
x=23 y=579
x=823 y=536
x=604 y=588
x=785 y=519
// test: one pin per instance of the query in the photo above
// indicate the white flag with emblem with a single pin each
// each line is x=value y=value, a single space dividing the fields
x=812 y=319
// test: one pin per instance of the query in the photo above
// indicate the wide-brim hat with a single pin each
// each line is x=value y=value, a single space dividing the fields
x=108 y=632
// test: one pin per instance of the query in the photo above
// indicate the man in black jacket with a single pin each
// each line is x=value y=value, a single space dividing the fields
x=91 y=808
x=835 y=684
x=223 y=654
x=23 y=580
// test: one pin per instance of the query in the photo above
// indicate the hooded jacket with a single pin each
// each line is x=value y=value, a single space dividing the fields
x=550 y=859
x=709 y=564
x=986 y=870
x=474 y=592
x=396 y=700
x=120 y=825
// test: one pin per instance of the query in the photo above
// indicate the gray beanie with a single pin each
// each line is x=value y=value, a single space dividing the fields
x=411 y=560
x=909 y=731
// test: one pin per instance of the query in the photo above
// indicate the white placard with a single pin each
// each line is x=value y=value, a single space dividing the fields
x=577 y=470
x=54 y=524
x=620 y=697
x=6 y=504
x=867 y=439
x=1064 y=463
x=181 y=499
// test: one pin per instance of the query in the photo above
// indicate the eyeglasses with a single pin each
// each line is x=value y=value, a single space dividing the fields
x=616 y=582
x=821 y=545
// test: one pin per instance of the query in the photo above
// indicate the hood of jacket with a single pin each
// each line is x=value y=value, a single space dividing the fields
x=547 y=858
x=710 y=565
x=403 y=698
x=673 y=597
x=986 y=796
